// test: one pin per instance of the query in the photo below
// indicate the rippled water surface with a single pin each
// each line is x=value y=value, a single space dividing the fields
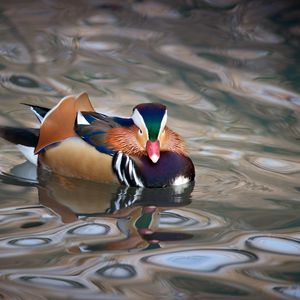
x=229 y=72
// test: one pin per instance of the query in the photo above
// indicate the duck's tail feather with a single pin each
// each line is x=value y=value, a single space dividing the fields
x=20 y=136
x=39 y=111
x=26 y=140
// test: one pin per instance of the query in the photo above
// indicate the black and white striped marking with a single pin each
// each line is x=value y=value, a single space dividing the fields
x=125 y=169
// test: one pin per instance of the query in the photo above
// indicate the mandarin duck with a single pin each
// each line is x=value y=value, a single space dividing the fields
x=75 y=141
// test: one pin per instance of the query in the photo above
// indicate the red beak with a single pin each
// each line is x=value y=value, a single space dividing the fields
x=153 y=150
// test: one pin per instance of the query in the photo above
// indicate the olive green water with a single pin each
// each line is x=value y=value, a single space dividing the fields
x=229 y=73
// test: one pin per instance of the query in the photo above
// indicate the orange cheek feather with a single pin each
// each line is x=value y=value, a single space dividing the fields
x=125 y=140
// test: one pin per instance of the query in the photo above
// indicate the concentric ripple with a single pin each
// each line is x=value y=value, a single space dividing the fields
x=276 y=165
x=25 y=83
x=117 y=271
x=275 y=244
x=201 y=260
x=51 y=282
x=30 y=242
x=90 y=229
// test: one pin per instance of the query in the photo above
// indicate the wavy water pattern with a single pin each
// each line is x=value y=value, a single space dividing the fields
x=228 y=70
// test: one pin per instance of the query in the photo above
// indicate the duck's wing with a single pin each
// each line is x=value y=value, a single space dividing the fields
x=92 y=128
x=103 y=121
x=58 y=123
x=74 y=116
x=82 y=102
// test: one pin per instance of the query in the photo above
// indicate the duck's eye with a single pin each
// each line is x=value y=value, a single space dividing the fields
x=140 y=132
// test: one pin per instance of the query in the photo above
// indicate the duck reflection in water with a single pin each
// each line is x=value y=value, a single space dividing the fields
x=136 y=211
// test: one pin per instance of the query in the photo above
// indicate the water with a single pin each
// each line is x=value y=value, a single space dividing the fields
x=228 y=70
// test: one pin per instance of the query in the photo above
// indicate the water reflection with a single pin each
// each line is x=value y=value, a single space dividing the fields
x=137 y=211
x=89 y=198
x=228 y=70
x=210 y=288
x=291 y=291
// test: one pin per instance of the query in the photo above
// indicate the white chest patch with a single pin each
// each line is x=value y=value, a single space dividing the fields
x=180 y=180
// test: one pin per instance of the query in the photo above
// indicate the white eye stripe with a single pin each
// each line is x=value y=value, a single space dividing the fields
x=163 y=123
x=139 y=121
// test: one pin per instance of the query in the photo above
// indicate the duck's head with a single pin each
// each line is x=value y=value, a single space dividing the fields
x=151 y=119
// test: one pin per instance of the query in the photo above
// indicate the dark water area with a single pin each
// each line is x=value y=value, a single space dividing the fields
x=229 y=72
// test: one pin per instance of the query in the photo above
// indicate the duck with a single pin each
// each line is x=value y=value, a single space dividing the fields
x=74 y=140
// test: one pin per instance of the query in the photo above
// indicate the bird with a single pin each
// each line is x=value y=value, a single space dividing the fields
x=74 y=140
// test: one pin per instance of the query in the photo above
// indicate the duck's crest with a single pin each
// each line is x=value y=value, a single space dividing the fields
x=58 y=123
